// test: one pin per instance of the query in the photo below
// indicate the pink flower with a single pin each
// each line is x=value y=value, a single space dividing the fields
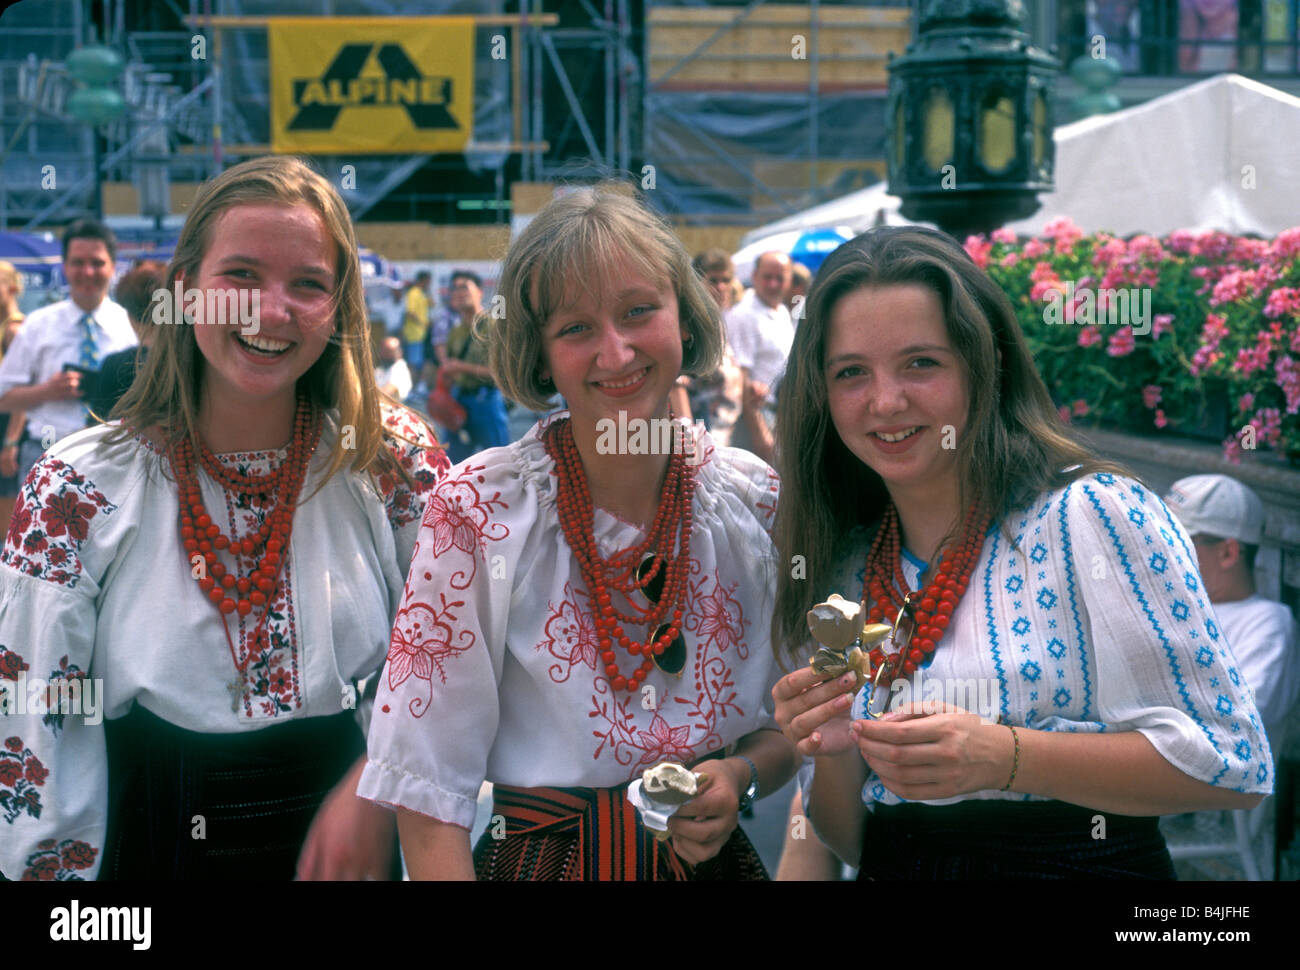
x=1232 y=451
x=1147 y=247
x=1079 y=407
x=1245 y=402
x=1285 y=300
x=1233 y=286
x=1034 y=248
x=978 y=249
x=1005 y=236
x=1161 y=323
x=1063 y=228
x=1286 y=246
x=1121 y=343
x=1151 y=396
x=1088 y=336
x=1064 y=412
x=1288 y=378
x=1161 y=421
x=1010 y=259
x=1182 y=240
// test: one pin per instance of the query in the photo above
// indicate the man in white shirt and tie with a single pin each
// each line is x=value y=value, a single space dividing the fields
x=80 y=331
x=760 y=331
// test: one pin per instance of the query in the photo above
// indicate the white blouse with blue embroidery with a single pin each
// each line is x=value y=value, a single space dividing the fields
x=1095 y=619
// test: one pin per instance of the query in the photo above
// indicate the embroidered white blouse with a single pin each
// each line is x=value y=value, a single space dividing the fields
x=95 y=586
x=494 y=670
x=1096 y=621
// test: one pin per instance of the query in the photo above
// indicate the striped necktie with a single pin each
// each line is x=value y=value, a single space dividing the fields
x=89 y=354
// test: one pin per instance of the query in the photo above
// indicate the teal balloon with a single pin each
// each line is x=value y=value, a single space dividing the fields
x=95 y=106
x=95 y=64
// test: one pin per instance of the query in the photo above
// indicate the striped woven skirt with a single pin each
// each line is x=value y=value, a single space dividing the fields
x=593 y=834
x=185 y=805
x=986 y=839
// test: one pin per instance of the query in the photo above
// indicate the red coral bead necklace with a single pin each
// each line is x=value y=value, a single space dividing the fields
x=263 y=552
x=886 y=589
x=604 y=577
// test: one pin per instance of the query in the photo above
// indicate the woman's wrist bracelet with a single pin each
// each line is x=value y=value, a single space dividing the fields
x=1015 y=764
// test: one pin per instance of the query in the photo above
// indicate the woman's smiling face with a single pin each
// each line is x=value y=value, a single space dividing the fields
x=891 y=373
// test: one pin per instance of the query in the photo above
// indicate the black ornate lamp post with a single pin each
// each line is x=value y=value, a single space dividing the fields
x=969 y=117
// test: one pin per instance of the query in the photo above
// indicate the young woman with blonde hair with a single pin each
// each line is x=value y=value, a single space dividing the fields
x=217 y=569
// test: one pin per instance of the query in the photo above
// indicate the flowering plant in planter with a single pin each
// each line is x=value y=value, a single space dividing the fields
x=1192 y=333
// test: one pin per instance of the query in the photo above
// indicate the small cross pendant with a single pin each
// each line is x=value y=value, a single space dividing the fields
x=236 y=689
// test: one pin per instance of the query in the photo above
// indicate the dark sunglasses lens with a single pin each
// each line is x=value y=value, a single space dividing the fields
x=655 y=587
x=673 y=659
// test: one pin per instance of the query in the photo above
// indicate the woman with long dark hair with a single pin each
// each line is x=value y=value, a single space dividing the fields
x=926 y=473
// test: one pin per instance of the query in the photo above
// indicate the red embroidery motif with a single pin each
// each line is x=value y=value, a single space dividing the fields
x=714 y=624
x=59 y=862
x=418 y=451
x=570 y=636
x=768 y=507
x=21 y=773
x=423 y=640
x=51 y=521
x=11 y=664
x=457 y=518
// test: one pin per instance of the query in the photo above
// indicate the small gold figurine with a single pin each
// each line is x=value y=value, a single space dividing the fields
x=845 y=641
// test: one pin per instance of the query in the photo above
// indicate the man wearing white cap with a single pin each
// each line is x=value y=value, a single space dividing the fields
x=1226 y=522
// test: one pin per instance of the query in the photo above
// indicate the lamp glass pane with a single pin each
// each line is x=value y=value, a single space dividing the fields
x=937 y=140
x=997 y=132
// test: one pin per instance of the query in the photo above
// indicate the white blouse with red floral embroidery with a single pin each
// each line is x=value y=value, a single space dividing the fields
x=95 y=586
x=494 y=673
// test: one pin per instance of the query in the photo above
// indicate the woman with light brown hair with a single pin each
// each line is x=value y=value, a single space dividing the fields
x=210 y=575
x=582 y=607
x=11 y=318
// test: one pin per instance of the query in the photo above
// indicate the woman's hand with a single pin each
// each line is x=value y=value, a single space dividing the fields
x=9 y=461
x=921 y=756
x=814 y=713
x=701 y=827
x=350 y=838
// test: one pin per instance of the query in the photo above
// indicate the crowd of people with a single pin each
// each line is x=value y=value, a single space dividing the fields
x=314 y=630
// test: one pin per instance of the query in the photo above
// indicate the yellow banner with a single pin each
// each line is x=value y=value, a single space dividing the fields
x=369 y=85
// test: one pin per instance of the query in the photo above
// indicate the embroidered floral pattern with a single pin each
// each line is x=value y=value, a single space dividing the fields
x=60 y=686
x=423 y=640
x=59 y=861
x=683 y=727
x=425 y=460
x=272 y=686
x=571 y=636
x=11 y=664
x=21 y=773
x=51 y=520
x=768 y=506
x=457 y=518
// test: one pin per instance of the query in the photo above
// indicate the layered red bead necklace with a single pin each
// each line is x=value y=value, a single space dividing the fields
x=931 y=608
x=258 y=556
x=604 y=577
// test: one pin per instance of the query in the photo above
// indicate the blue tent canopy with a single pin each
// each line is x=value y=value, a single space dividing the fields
x=38 y=258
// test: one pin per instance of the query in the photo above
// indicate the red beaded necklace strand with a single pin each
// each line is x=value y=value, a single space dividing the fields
x=264 y=550
x=603 y=576
x=886 y=589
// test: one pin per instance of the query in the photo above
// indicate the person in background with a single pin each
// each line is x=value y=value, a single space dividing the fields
x=42 y=372
x=714 y=399
x=415 y=320
x=11 y=318
x=465 y=363
x=760 y=331
x=800 y=280
x=135 y=292
x=392 y=376
x=1226 y=522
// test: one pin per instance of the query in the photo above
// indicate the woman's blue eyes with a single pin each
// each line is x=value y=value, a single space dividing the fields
x=248 y=274
x=640 y=310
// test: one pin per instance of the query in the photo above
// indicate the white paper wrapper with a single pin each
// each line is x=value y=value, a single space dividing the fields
x=654 y=815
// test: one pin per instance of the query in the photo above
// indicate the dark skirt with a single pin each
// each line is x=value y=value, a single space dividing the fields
x=592 y=834
x=251 y=796
x=981 y=839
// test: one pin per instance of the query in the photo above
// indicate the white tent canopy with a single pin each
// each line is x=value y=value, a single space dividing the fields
x=1179 y=161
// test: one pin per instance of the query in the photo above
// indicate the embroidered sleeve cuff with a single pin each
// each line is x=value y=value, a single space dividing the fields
x=393 y=786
